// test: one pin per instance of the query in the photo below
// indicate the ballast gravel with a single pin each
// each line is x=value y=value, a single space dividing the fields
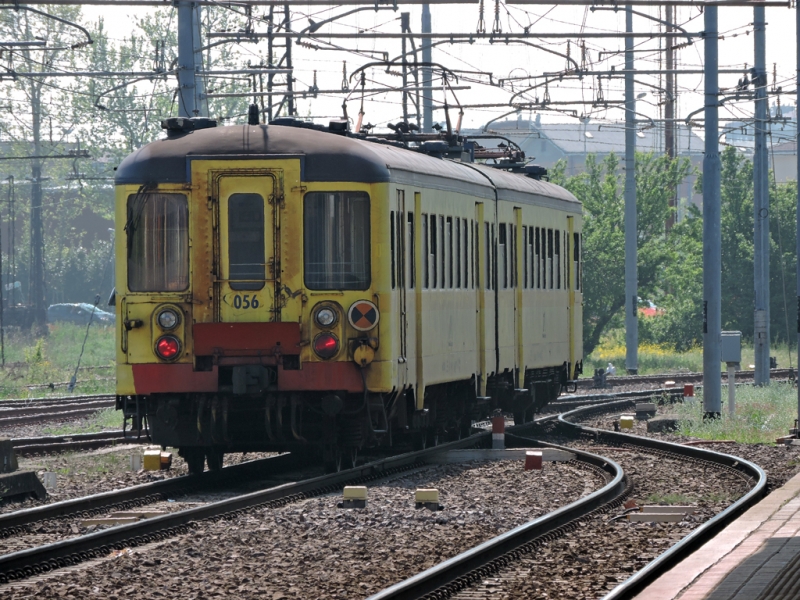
x=83 y=473
x=602 y=552
x=312 y=549
x=780 y=462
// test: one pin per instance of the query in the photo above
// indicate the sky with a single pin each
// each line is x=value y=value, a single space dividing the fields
x=736 y=52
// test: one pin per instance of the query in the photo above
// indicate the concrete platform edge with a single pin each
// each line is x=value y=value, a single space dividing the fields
x=706 y=562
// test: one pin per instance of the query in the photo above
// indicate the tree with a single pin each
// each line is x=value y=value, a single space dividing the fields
x=601 y=188
x=37 y=102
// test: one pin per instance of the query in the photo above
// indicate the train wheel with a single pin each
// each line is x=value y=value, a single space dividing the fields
x=419 y=440
x=214 y=458
x=195 y=459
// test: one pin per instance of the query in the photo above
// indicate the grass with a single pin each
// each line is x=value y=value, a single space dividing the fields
x=657 y=359
x=763 y=414
x=38 y=367
x=103 y=420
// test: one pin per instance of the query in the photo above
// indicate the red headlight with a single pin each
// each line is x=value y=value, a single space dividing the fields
x=326 y=345
x=168 y=347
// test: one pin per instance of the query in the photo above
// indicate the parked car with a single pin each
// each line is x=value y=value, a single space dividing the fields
x=79 y=313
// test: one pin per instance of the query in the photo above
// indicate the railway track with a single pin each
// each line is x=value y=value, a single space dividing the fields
x=696 y=378
x=21 y=412
x=457 y=574
x=69 y=443
x=441 y=581
x=29 y=562
x=19 y=522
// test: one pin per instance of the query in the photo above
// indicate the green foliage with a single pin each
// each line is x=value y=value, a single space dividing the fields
x=601 y=189
x=671 y=262
x=763 y=414
x=32 y=363
x=737 y=249
x=107 y=419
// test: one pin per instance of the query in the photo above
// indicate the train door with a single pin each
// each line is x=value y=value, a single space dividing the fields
x=247 y=284
x=402 y=285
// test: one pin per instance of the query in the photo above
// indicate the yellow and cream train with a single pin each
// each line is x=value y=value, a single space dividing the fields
x=282 y=286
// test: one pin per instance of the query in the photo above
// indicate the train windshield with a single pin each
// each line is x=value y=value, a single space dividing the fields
x=158 y=242
x=336 y=240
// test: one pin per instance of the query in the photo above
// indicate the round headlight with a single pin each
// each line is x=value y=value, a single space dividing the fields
x=326 y=317
x=326 y=345
x=167 y=318
x=168 y=347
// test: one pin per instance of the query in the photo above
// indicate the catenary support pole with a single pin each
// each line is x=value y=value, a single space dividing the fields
x=631 y=278
x=405 y=23
x=287 y=25
x=761 y=202
x=200 y=101
x=712 y=263
x=187 y=93
x=427 y=73
x=669 y=108
x=797 y=143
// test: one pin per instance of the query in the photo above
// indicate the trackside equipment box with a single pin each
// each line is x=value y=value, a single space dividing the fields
x=731 y=347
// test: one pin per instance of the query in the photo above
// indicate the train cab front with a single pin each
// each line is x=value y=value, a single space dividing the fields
x=247 y=315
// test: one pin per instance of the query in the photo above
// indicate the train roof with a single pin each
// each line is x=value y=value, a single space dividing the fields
x=329 y=157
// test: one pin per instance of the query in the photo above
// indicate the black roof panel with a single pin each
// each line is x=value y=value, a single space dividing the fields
x=324 y=157
x=329 y=157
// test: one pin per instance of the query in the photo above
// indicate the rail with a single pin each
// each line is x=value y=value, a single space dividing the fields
x=697 y=537
x=26 y=563
x=471 y=565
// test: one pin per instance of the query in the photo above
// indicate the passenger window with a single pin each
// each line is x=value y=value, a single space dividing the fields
x=158 y=242
x=426 y=268
x=513 y=261
x=558 y=259
x=465 y=228
x=449 y=246
x=576 y=258
x=410 y=253
x=401 y=251
x=246 y=241
x=336 y=240
x=442 y=247
x=392 y=250
x=524 y=256
x=473 y=240
x=457 y=246
x=502 y=258
x=434 y=252
x=538 y=247
x=488 y=258
x=550 y=277
x=531 y=258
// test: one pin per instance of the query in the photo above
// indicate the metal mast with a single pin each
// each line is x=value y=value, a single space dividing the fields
x=797 y=144
x=631 y=276
x=761 y=202
x=712 y=263
x=669 y=107
x=427 y=73
x=188 y=91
